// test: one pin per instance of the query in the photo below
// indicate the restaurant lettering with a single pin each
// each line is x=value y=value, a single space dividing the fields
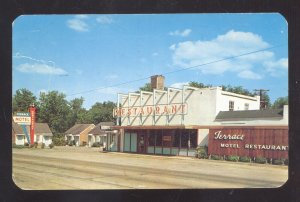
x=165 y=109
x=266 y=147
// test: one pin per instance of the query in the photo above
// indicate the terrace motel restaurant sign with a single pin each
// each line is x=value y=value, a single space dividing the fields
x=249 y=141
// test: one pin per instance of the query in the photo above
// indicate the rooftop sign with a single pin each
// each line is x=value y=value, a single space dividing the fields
x=163 y=109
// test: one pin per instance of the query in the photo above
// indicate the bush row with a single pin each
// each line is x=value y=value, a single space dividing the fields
x=35 y=145
x=202 y=153
x=260 y=160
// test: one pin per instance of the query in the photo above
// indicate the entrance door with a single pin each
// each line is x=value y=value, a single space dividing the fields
x=141 y=144
x=130 y=142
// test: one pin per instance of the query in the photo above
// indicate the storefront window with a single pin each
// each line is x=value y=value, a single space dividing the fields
x=193 y=139
x=184 y=138
x=151 y=139
x=159 y=138
x=176 y=138
x=167 y=138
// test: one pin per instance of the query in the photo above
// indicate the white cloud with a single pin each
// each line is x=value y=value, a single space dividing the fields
x=105 y=19
x=276 y=68
x=210 y=56
x=41 y=69
x=248 y=74
x=78 y=23
x=183 y=33
x=179 y=85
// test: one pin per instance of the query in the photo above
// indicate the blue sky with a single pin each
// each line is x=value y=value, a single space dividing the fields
x=92 y=55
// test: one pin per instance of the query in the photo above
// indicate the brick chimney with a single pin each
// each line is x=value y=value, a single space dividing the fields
x=158 y=82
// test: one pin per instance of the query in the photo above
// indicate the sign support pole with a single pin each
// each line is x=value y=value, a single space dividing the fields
x=32 y=125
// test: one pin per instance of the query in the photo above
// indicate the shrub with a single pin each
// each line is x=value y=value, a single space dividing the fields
x=215 y=157
x=232 y=158
x=35 y=144
x=286 y=162
x=97 y=144
x=43 y=145
x=18 y=146
x=201 y=152
x=26 y=144
x=51 y=145
x=261 y=160
x=59 y=140
x=245 y=159
x=278 y=161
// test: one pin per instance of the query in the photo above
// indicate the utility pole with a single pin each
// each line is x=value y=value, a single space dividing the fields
x=262 y=100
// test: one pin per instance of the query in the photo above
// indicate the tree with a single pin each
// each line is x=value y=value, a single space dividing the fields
x=77 y=112
x=54 y=110
x=22 y=100
x=101 y=112
x=146 y=87
x=198 y=84
x=280 y=102
x=237 y=89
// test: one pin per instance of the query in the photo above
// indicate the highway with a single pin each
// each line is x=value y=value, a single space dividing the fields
x=87 y=168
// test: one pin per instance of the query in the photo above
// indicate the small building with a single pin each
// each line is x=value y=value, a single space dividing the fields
x=42 y=134
x=78 y=134
x=104 y=136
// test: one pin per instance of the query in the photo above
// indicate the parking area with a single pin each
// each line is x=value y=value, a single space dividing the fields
x=88 y=168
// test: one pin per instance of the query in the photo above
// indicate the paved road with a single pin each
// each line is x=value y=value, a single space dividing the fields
x=87 y=168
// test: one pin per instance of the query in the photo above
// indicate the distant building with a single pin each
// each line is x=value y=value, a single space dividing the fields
x=104 y=136
x=78 y=134
x=42 y=134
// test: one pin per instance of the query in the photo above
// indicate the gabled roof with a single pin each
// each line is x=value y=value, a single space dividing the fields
x=78 y=128
x=252 y=114
x=98 y=131
x=39 y=128
x=106 y=124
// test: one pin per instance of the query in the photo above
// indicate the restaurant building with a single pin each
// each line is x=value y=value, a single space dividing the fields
x=172 y=121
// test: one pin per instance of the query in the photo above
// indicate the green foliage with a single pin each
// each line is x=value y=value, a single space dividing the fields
x=215 y=157
x=54 y=110
x=59 y=140
x=244 y=159
x=232 y=158
x=198 y=85
x=97 y=144
x=19 y=146
x=146 y=87
x=237 y=89
x=280 y=102
x=201 y=152
x=22 y=100
x=51 y=145
x=261 y=160
x=101 y=112
x=35 y=144
x=278 y=161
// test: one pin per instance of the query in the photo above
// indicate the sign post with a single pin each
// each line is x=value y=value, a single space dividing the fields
x=32 y=125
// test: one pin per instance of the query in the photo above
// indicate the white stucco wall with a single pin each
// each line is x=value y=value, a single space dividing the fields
x=202 y=105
